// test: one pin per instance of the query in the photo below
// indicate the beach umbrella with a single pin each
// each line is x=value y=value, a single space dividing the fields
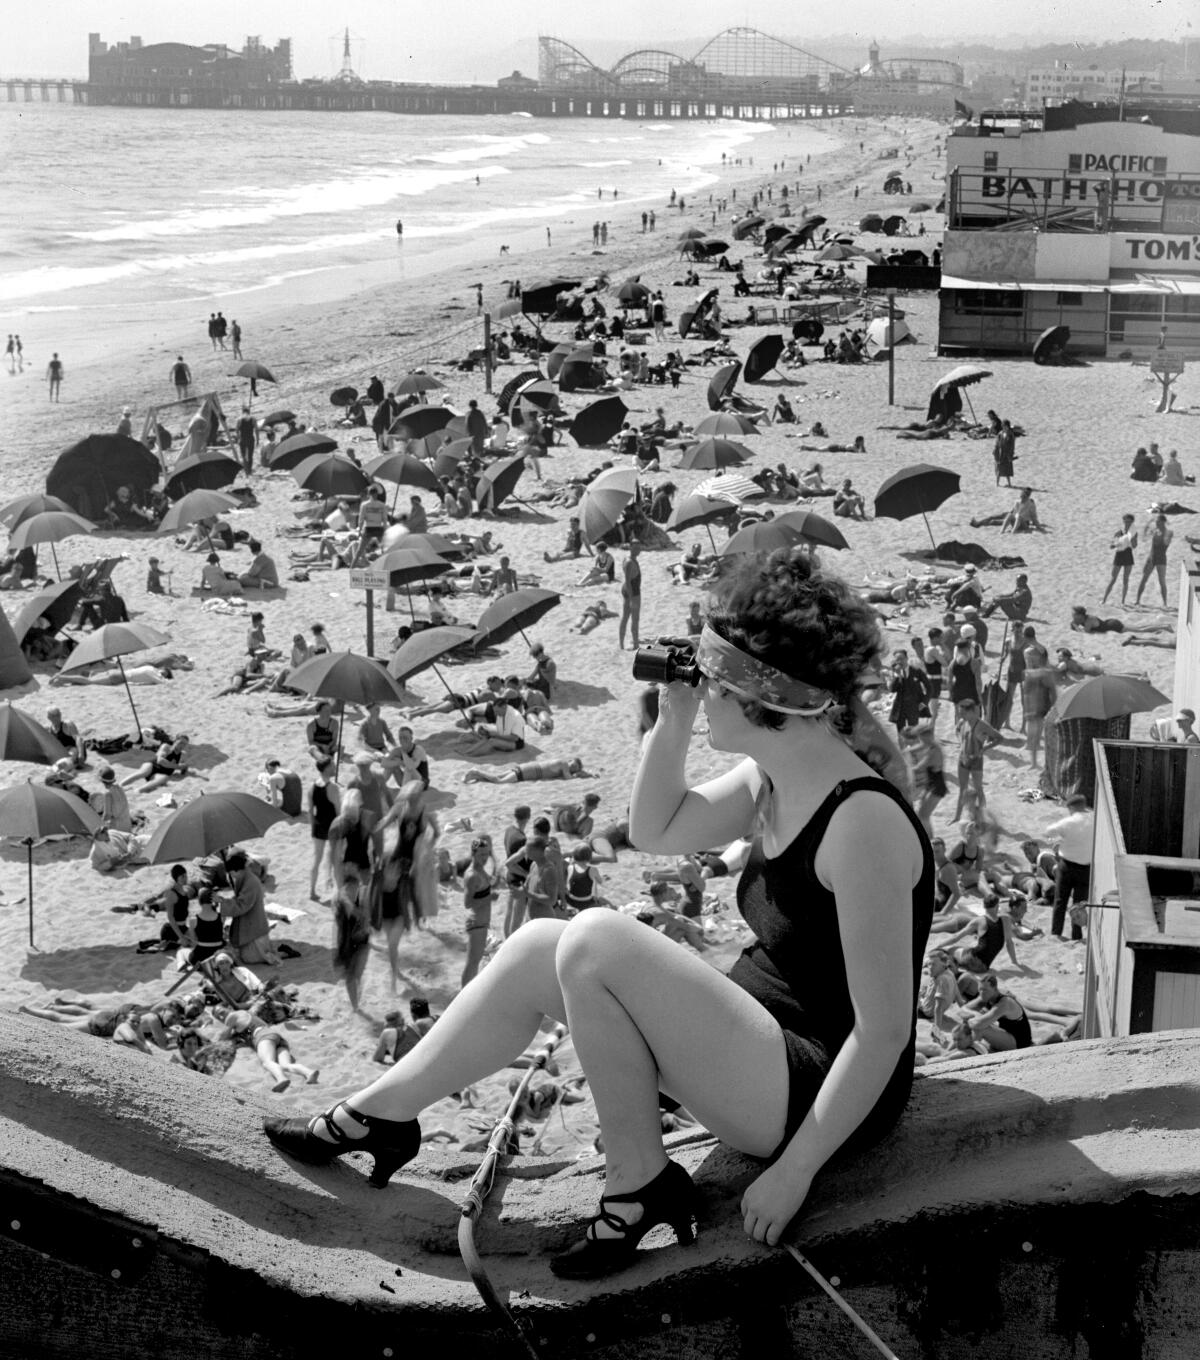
x=604 y=501
x=598 y=422
x=50 y=526
x=835 y=250
x=710 y=246
x=762 y=357
x=725 y=423
x=30 y=811
x=346 y=678
x=111 y=642
x=747 y=226
x=721 y=384
x=714 y=453
x=405 y=564
x=776 y=231
x=343 y=396
x=1107 y=696
x=57 y=603
x=253 y=369
x=729 y=486
x=633 y=293
x=554 y=361
x=415 y=422
x=1050 y=344
x=449 y=456
x=88 y=473
x=208 y=470
x=281 y=417
x=512 y=614
x=435 y=543
x=23 y=739
x=916 y=490
x=693 y=315
x=920 y=206
x=429 y=446
x=417 y=382
x=196 y=505
x=784 y=245
x=25 y=507
x=542 y=394
x=541 y=298
x=786 y=531
x=960 y=378
x=498 y=481
x=510 y=389
x=292 y=451
x=209 y=824
x=404 y=470
x=871 y=222
x=699 y=510
x=331 y=475
x=578 y=373
x=423 y=649
x=690 y=234
x=892 y=226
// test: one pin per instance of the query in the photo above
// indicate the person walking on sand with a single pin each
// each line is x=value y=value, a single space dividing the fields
x=235 y=339
x=631 y=596
x=20 y=354
x=247 y=434
x=54 y=373
x=1004 y=452
x=181 y=376
x=10 y=351
x=1123 y=543
x=1158 y=540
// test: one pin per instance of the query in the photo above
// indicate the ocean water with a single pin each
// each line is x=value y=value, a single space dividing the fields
x=106 y=211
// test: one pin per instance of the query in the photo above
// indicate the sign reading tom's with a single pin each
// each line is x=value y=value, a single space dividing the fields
x=1173 y=254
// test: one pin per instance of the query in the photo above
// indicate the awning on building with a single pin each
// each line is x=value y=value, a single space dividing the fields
x=1156 y=283
x=1144 y=283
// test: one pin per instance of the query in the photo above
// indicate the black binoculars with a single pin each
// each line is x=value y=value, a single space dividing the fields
x=668 y=661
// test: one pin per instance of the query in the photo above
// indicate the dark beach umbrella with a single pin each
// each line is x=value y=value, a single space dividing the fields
x=872 y=222
x=281 y=417
x=512 y=614
x=435 y=543
x=292 y=451
x=747 y=226
x=541 y=299
x=729 y=424
x=253 y=369
x=693 y=315
x=554 y=360
x=25 y=507
x=542 y=394
x=88 y=473
x=111 y=642
x=633 y=293
x=920 y=206
x=784 y=245
x=346 y=678
x=430 y=445
x=776 y=231
x=690 y=234
x=796 y=527
x=714 y=453
x=209 y=824
x=709 y=246
x=1107 y=696
x=415 y=383
x=721 y=384
x=510 y=389
x=30 y=811
x=51 y=526
x=916 y=490
x=55 y=603
x=343 y=396
x=892 y=226
x=196 y=505
x=23 y=739
x=762 y=357
x=424 y=648
x=455 y=428
x=415 y=422
x=449 y=456
x=404 y=470
x=695 y=510
x=598 y=422
x=834 y=251
x=1051 y=343
x=499 y=480
x=579 y=374
x=331 y=475
x=208 y=470
x=406 y=565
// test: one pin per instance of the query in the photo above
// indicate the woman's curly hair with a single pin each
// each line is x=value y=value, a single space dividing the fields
x=793 y=615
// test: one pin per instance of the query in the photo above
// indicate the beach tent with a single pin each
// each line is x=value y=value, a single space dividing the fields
x=14 y=669
x=1069 y=764
x=204 y=427
x=154 y=433
x=87 y=474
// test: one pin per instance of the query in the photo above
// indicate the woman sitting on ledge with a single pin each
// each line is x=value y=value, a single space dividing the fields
x=807 y=1046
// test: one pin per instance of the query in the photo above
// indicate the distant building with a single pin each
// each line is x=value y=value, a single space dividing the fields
x=517 y=82
x=132 y=67
x=1077 y=217
x=920 y=86
x=1061 y=82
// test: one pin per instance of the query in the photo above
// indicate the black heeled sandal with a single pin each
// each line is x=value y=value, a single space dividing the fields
x=392 y=1142
x=669 y=1198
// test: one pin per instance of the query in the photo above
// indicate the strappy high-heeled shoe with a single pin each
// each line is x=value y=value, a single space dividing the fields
x=669 y=1198
x=392 y=1142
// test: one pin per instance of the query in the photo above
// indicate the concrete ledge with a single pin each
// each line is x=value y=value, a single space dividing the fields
x=243 y=1252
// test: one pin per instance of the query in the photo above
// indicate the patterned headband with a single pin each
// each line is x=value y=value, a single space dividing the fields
x=750 y=678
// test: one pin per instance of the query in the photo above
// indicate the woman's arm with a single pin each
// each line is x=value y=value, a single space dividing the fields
x=870 y=858
x=666 y=817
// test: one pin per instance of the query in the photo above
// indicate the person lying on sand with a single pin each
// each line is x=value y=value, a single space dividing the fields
x=859 y=446
x=458 y=703
x=169 y=763
x=530 y=772
x=1083 y=622
x=247 y=678
x=592 y=617
x=153 y=673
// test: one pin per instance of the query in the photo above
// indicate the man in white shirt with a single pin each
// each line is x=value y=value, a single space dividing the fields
x=506 y=732
x=1073 y=874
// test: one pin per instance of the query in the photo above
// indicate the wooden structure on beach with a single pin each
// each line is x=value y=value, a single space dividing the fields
x=1143 y=941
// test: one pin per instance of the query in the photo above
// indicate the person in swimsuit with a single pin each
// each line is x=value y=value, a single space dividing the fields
x=479 y=893
x=998 y=1018
x=323 y=732
x=809 y=1043
x=992 y=932
x=1123 y=543
x=631 y=596
x=583 y=880
x=528 y=773
x=1158 y=540
x=324 y=804
x=168 y=764
x=350 y=840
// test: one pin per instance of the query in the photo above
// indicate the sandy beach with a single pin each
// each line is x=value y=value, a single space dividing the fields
x=1081 y=425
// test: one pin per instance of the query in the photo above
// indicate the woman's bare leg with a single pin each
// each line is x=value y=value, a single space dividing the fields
x=266 y=1051
x=477 y=938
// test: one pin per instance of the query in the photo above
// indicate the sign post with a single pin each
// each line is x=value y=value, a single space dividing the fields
x=1166 y=365
x=891 y=347
x=365 y=578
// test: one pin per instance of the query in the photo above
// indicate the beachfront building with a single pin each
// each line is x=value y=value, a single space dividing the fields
x=176 y=73
x=1062 y=82
x=1085 y=216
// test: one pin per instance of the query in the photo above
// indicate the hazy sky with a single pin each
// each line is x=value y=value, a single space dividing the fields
x=481 y=39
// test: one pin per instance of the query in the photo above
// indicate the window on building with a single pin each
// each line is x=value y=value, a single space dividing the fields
x=989 y=302
x=1070 y=299
x=991 y=160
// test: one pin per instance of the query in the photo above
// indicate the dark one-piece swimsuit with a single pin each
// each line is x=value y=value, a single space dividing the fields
x=796 y=969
